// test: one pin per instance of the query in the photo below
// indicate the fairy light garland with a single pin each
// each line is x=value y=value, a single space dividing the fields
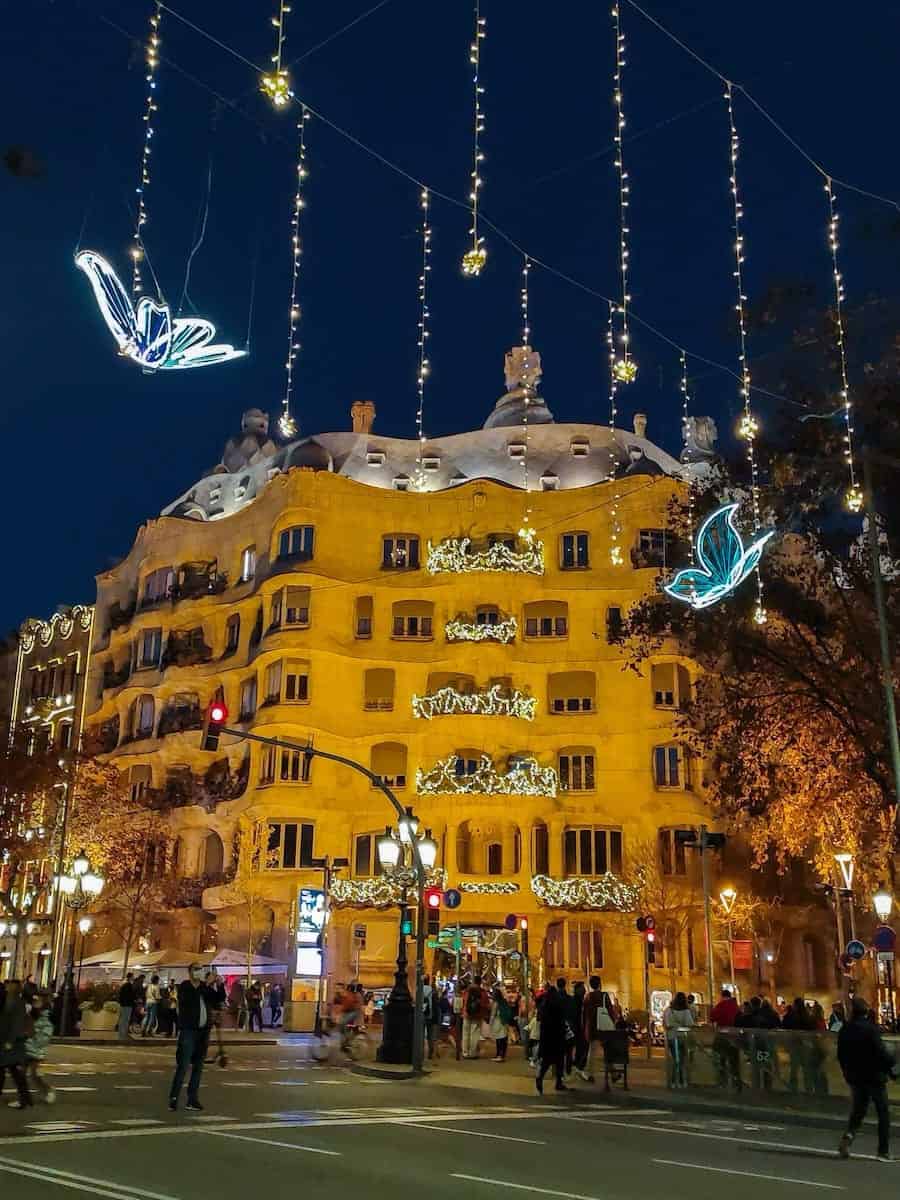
x=473 y=260
x=853 y=497
x=496 y=701
x=423 y=334
x=380 y=891
x=748 y=427
x=150 y=107
x=463 y=630
x=277 y=84
x=526 y=381
x=615 y=529
x=526 y=778
x=456 y=555
x=624 y=368
x=287 y=426
x=607 y=892
x=685 y=413
x=497 y=887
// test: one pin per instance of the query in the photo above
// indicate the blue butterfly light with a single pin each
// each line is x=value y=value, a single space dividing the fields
x=724 y=563
x=148 y=334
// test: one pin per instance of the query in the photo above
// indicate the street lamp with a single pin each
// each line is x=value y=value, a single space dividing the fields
x=844 y=860
x=883 y=902
x=85 y=925
x=727 y=897
x=78 y=889
x=403 y=1036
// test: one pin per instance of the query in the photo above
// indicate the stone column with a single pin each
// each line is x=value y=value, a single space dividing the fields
x=449 y=859
x=555 y=828
x=192 y=840
x=509 y=849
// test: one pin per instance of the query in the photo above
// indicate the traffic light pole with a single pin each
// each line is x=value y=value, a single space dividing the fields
x=418 y=1048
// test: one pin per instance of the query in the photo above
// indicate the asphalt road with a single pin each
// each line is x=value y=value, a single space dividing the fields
x=274 y=1121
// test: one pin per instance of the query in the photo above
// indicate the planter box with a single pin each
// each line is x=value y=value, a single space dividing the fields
x=104 y=1020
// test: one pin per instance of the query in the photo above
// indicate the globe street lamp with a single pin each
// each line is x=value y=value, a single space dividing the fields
x=727 y=897
x=78 y=889
x=883 y=902
x=403 y=1036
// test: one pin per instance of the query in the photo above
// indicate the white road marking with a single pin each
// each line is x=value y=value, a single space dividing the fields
x=73 y=1180
x=668 y=1162
x=523 y=1187
x=59 y=1126
x=78 y=1187
x=138 y=1121
x=69 y=1088
x=231 y=1083
x=241 y=1137
x=133 y=1087
x=208 y=1117
x=500 y=1137
x=290 y=1083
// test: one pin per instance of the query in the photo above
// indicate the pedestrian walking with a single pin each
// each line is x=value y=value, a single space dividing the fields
x=568 y=1004
x=581 y=1043
x=126 y=1006
x=237 y=1004
x=36 y=1046
x=724 y=1016
x=254 y=1006
x=151 y=1016
x=476 y=1010
x=500 y=1018
x=677 y=1019
x=555 y=1033
x=195 y=1003
x=597 y=1023
x=276 y=1000
x=867 y=1065
x=13 y=1032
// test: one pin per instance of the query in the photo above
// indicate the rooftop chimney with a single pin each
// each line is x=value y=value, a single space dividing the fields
x=640 y=424
x=362 y=414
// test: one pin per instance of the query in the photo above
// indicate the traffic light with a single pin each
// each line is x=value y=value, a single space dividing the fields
x=407 y=922
x=432 y=897
x=216 y=716
x=651 y=947
x=646 y=925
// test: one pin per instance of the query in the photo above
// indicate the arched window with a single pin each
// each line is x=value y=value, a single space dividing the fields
x=495 y=859
x=213 y=854
x=142 y=716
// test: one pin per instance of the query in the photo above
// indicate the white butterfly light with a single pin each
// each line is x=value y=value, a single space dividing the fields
x=724 y=563
x=148 y=334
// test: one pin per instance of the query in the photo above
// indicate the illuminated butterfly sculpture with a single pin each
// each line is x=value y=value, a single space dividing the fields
x=148 y=334
x=724 y=563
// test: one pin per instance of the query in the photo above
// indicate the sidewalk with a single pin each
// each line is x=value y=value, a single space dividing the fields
x=230 y=1037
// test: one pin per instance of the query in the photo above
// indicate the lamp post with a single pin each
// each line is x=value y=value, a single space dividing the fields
x=727 y=897
x=403 y=1037
x=328 y=867
x=883 y=902
x=78 y=889
x=85 y=925
x=8 y=929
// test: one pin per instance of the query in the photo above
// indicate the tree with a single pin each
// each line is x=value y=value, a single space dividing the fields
x=787 y=716
x=249 y=887
x=675 y=903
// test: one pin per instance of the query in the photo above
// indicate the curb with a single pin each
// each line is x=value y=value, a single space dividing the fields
x=386 y=1072
x=155 y=1043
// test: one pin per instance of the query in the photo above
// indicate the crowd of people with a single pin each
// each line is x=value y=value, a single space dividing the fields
x=149 y=1008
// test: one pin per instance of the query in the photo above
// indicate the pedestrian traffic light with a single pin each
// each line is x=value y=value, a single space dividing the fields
x=407 y=924
x=216 y=716
x=523 y=922
x=432 y=898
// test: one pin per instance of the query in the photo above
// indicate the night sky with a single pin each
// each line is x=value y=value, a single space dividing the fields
x=92 y=447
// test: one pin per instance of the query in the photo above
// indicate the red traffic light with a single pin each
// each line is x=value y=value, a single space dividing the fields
x=433 y=897
x=218 y=713
x=651 y=936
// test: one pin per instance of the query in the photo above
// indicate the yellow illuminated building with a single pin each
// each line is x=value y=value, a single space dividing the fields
x=415 y=609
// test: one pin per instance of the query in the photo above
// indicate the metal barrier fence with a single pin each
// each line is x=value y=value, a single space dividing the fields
x=762 y=1060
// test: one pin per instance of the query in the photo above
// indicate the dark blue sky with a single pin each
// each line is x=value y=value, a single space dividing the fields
x=93 y=447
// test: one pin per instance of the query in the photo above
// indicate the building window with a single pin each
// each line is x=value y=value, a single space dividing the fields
x=400 y=483
x=549 y=483
x=158 y=585
x=580 y=447
x=495 y=859
x=267 y=765
x=399 y=552
x=412 y=619
x=590 y=850
x=388 y=763
x=296 y=543
x=296 y=683
x=248 y=564
x=378 y=691
x=572 y=692
x=540 y=850
x=672 y=853
x=150 y=648
x=290 y=845
x=273 y=683
x=365 y=855
x=295 y=766
x=487 y=614
x=467 y=762
x=670 y=684
x=576 y=771
x=547 y=619
x=138 y=782
x=64 y=735
x=143 y=717
x=585 y=946
x=290 y=608
x=613 y=623
x=653 y=548
x=516 y=449
x=248 y=699
x=364 y=608
x=574 y=551
x=672 y=767
x=232 y=634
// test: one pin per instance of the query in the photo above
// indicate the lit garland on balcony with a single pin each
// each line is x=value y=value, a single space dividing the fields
x=473 y=260
x=454 y=555
x=140 y=220
x=607 y=892
x=381 y=891
x=853 y=497
x=502 y=887
x=525 y=779
x=459 y=630
x=277 y=84
x=287 y=426
x=495 y=702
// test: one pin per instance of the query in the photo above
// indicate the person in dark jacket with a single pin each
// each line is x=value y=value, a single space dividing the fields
x=552 y=1047
x=127 y=999
x=867 y=1064
x=569 y=1005
x=12 y=1042
x=196 y=1004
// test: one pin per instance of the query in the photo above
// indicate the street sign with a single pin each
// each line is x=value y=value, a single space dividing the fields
x=452 y=898
x=884 y=938
x=510 y=921
x=359 y=936
x=742 y=955
x=432 y=944
x=856 y=950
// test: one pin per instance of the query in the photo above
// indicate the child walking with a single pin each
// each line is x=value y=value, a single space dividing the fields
x=36 y=1046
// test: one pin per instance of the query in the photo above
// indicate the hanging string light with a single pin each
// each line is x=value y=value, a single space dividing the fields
x=276 y=84
x=748 y=427
x=287 y=426
x=685 y=413
x=526 y=381
x=150 y=107
x=473 y=260
x=624 y=368
x=615 y=528
x=424 y=315
x=853 y=497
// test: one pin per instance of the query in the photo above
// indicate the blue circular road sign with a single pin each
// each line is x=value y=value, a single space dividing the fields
x=856 y=950
x=452 y=898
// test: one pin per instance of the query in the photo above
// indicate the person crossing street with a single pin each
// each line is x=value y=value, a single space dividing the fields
x=195 y=1005
x=867 y=1065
